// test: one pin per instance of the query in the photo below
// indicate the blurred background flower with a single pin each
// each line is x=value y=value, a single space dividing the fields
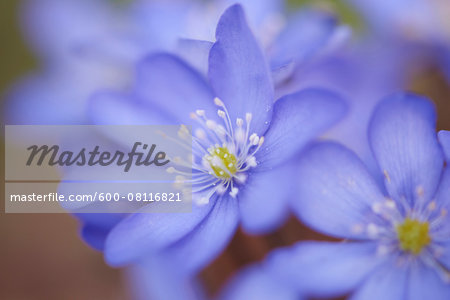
x=57 y=53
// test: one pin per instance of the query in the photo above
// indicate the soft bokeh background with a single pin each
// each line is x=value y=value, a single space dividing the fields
x=42 y=256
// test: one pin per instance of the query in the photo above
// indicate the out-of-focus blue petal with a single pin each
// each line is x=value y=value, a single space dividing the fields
x=442 y=231
x=297 y=119
x=425 y=283
x=195 y=52
x=335 y=191
x=389 y=282
x=115 y=108
x=94 y=236
x=144 y=233
x=363 y=74
x=256 y=283
x=158 y=277
x=96 y=226
x=401 y=18
x=324 y=269
x=443 y=193
x=238 y=71
x=263 y=200
x=208 y=238
x=167 y=83
x=444 y=139
x=259 y=13
x=306 y=34
x=403 y=139
x=45 y=98
x=159 y=24
x=56 y=28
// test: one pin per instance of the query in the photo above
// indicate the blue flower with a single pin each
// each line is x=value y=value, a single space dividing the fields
x=421 y=23
x=397 y=236
x=161 y=278
x=89 y=45
x=257 y=282
x=242 y=176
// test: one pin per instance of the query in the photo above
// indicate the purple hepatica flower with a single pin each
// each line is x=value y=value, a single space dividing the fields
x=397 y=242
x=400 y=247
x=241 y=175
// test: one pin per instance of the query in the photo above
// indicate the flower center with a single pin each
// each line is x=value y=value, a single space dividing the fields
x=413 y=235
x=222 y=153
x=222 y=162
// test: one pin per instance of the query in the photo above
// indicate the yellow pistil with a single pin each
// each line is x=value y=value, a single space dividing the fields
x=413 y=235
x=222 y=162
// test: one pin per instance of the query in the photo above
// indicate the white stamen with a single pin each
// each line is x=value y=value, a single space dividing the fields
x=240 y=135
x=221 y=113
x=200 y=112
x=234 y=192
x=218 y=102
x=254 y=139
x=372 y=230
x=202 y=201
x=357 y=228
x=376 y=207
x=390 y=204
x=200 y=133
x=211 y=124
x=251 y=161
x=241 y=177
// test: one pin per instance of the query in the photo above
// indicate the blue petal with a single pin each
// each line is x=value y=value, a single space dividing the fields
x=196 y=53
x=443 y=230
x=256 y=283
x=259 y=13
x=444 y=139
x=388 y=283
x=305 y=35
x=238 y=71
x=94 y=236
x=114 y=108
x=145 y=233
x=56 y=27
x=335 y=191
x=425 y=283
x=263 y=201
x=443 y=193
x=96 y=227
x=208 y=238
x=47 y=98
x=403 y=139
x=159 y=24
x=324 y=269
x=168 y=84
x=158 y=277
x=298 y=119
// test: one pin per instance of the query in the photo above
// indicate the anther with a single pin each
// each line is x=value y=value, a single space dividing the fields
x=218 y=102
x=234 y=192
